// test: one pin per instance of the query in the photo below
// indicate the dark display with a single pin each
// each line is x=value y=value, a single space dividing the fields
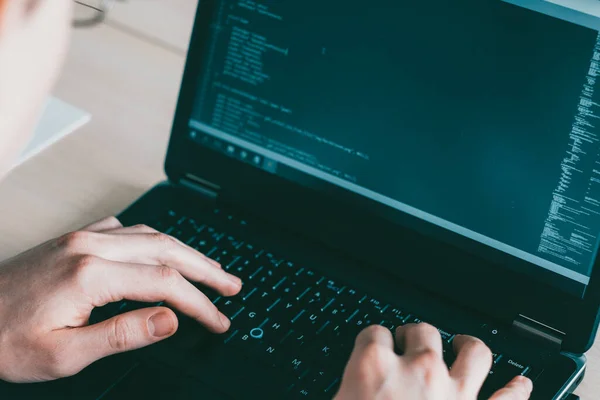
x=478 y=116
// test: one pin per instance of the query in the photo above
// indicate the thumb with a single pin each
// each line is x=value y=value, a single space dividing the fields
x=125 y=332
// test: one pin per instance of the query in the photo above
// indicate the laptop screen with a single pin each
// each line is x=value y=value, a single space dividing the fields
x=477 y=117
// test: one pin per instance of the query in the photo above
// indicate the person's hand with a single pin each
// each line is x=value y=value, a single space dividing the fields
x=48 y=293
x=375 y=371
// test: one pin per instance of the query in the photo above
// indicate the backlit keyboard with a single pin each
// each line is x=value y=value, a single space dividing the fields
x=291 y=319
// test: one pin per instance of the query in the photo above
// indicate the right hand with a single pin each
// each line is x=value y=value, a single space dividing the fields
x=375 y=371
x=48 y=293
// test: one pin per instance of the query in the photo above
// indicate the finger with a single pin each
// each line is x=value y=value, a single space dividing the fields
x=415 y=339
x=374 y=335
x=130 y=230
x=472 y=364
x=373 y=353
x=125 y=332
x=110 y=281
x=144 y=229
x=104 y=224
x=519 y=388
x=162 y=250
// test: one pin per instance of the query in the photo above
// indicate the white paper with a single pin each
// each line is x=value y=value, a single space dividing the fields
x=57 y=121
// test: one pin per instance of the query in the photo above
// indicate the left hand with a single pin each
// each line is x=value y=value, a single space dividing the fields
x=48 y=293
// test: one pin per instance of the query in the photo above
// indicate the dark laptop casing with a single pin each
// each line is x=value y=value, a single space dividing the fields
x=401 y=245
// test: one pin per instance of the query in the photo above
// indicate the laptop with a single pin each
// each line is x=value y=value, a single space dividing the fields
x=385 y=164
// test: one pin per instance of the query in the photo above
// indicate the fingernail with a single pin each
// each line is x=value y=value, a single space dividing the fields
x=224 y=321
x=160 y=325
x=235 y=280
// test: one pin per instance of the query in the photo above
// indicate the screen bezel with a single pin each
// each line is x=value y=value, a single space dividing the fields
x=331 y=218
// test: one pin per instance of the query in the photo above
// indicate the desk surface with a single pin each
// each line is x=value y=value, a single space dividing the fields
x=118 y=155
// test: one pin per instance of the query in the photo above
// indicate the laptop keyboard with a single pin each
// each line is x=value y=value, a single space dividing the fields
x=291 y=319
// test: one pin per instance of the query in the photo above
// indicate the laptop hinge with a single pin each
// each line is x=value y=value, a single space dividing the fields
x=535 y=330
x=200 y=185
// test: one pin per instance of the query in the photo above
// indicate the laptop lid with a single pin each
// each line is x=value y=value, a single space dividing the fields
x=453 y=145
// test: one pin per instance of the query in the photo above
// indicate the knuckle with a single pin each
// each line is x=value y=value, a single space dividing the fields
x=81 y=271
x=83 y=263
x=478 y=349
x=164 y=240
x=369 y=334
x=426 y=328
x=74 y=241
x=112 y=220
x=427 y=359
x=373 y=330
x=171 y=277
x=376 y=360
x=145 y=228
x=121 y=334
x=430 y=366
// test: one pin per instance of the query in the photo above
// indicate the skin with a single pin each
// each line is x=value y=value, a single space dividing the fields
x=48 y=293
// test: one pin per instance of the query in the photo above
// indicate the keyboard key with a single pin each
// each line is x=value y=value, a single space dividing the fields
x=508 y=368
x=267 y=278
x=412 y=319
x=243 y=340
x=302 y=392
x=337 y=309
x=297 y=365
x=239 y=267
x=395 y=314
x=307 y=277
x=230 y=308
x=376 y=305
x=391 y=325
x=247 y=318
x=247 y=292
x=446 y=336
x=329 y=351
x=496 y=356
x=363 y=320
x=334 y=287
x=270 y=354
x=319 y=378
x=275 y=331
x=295 y=339
x=308 y=321
x=287 y=288
x=315 y=298
x=491 y=333
x=333 y=387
